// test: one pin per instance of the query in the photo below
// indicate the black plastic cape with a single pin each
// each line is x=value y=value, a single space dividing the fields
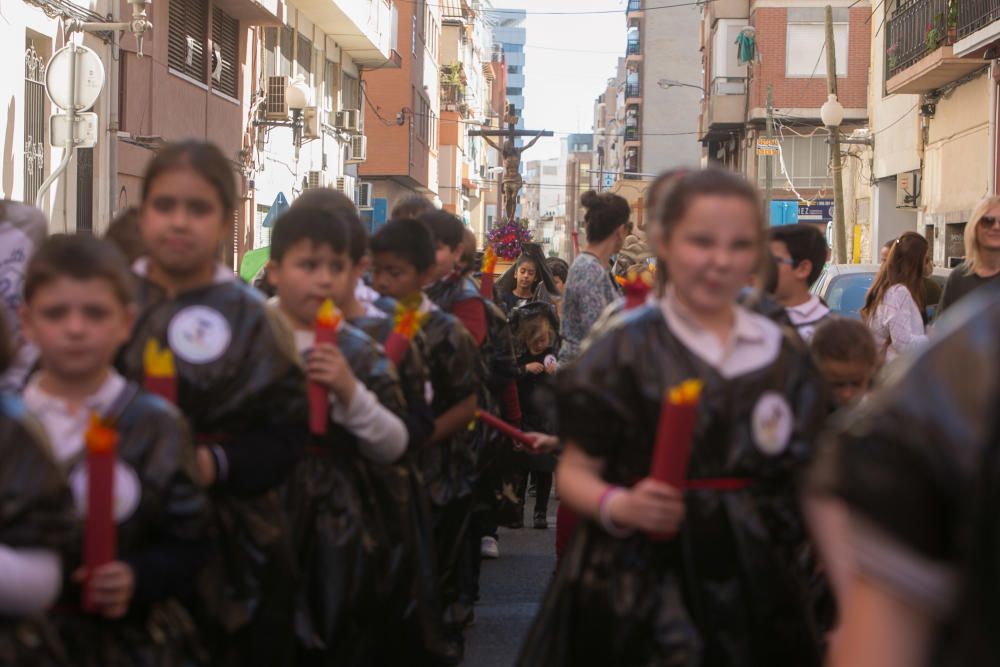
x=153 y=443
x=253 y=383
x=546 y=286
x=36 y=512
x=920 y=462
x=414 y=617
x=730 y=589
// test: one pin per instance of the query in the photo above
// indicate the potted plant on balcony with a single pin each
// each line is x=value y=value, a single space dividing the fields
x=952 y=21
x=892 y=53
x=935 y=33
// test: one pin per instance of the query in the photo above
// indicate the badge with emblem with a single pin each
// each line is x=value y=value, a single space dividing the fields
x=199 y=334
x=772 y=423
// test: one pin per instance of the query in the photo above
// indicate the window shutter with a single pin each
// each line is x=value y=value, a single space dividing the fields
x=303 y=56
x=186 y=36
x=226 y=42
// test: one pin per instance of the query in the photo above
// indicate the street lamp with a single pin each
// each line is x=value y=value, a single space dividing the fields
x=832 y=115
x=297 y=98
x=666 y=84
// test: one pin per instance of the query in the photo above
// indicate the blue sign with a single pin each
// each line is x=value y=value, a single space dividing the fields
x=820 y=211
x=279 y=206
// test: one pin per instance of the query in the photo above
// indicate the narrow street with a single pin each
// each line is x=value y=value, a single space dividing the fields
x=511 y=592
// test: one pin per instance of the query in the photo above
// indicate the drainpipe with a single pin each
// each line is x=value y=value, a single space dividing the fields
x=991 y=181
x=114 y=122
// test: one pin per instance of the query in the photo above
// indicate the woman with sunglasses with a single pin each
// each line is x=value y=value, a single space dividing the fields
x=896 y=300
x=982 y=254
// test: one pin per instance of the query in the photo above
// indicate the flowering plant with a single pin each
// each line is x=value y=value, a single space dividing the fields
x=507 y=240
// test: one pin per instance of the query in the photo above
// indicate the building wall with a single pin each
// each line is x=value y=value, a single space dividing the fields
x=670 y=46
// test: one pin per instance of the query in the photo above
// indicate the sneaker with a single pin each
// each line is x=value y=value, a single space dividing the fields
x=541 y=522
x=489 y=548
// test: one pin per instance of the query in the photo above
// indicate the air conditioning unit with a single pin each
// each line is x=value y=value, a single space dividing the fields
x=348 y=185
x=316 y=179
x=275 y=105
x=310 y=123
x=908 y=189
x=359 y=149
x=348 y=120
x=366 y=192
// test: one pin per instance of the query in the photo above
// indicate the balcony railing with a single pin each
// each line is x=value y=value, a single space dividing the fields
x=976 y=14
x=914 y=30
x=631 y=133
x=632 y=49
x=632 y=90
x=634 y=6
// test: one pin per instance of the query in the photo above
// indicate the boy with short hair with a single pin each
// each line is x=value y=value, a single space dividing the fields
x=78 y=311
x=800 y=252
x=404 y=261
x=845 y=352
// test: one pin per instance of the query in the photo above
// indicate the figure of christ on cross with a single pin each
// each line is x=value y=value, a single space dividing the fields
x=511 y=156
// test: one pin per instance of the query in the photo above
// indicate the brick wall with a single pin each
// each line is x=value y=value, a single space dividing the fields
x=771 y=25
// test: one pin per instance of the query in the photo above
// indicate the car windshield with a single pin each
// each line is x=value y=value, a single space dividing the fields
x=845 y=294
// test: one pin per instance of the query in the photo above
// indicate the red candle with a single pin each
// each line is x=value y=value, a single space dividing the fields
x=506 y=429
x=328 y=320
x=489 y=266
x=636 y=287
x=99 y=537
x=408 y=321
x=160 y=371
x=674 y=435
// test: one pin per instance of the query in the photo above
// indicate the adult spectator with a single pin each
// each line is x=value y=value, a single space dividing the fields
x=982 y=254
x=895 y=303
x=22 y=230
x=589 y=286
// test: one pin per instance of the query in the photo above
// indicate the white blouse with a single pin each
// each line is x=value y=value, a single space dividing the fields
x=897 y=324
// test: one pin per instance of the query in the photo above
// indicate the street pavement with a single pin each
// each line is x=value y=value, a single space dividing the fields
x=511 y=591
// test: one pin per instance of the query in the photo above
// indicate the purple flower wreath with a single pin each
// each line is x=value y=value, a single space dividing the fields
x=507 y=239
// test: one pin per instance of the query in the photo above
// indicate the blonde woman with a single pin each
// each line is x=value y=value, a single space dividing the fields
x=895 y=303
x=982 y=254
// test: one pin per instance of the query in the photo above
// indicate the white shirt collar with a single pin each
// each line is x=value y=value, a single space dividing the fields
x=809 y=311
x=222 y=274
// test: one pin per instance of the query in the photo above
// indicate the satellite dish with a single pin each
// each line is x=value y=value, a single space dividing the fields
x=89 y=77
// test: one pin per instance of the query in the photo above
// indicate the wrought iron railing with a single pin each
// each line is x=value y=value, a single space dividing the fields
x=976 y=14
x=632 y=48
x=632 y=90
x=631 y=133
x=634 y=6
x=914 y=30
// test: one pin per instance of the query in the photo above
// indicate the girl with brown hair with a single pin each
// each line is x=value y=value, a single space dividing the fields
x=895 y=302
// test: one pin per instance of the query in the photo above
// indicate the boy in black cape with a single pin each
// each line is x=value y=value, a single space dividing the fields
x=240 y=385
x=403 y=256
x=78 y=312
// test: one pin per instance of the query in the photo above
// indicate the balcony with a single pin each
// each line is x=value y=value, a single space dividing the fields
x=919 y=36
x=633 y=48
x=978 y=26
x=632 y=133
x=633 y=6
x=725 y=106
x=363 y=28
x=633 y=91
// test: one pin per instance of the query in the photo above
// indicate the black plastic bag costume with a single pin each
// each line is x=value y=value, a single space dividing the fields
x=728 y=590
x=345 y=523
x=545 y=287
x=36 y=512
x=918 y=464
x=166 y=526
x=239 y=380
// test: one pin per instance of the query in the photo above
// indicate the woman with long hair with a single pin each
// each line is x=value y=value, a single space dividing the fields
x=982 y=253
x=895 y=302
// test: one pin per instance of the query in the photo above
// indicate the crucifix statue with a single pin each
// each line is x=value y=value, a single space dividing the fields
x=511 y=155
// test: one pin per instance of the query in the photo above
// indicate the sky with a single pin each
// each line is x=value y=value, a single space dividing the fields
x=569 y=61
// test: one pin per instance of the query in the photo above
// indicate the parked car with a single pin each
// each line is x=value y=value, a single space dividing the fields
x=843 y=287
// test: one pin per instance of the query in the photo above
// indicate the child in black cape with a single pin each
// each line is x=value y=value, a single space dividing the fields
x=729 y=587
x=413 y=614
x=78 y=311
x=38 y=523
x=240 y=385
x=334 y=507
x=403 y=258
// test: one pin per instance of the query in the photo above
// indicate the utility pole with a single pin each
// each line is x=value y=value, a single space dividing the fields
x=839 y=227
x=769 y=176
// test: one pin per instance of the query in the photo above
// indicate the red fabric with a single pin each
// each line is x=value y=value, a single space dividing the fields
x=512 y=404
x=718 y=483
x=566 y=521
x=472 y=313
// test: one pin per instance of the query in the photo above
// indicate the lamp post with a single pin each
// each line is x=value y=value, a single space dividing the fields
x=832 y=114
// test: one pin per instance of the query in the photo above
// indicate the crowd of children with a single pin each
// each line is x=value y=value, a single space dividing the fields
x=195 y=473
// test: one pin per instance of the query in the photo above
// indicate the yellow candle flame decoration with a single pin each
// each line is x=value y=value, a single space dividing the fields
x=686 y=393
x=157 y=362
x=101 y=436
x=489 y=260
x=409 y=319
x=329 y=315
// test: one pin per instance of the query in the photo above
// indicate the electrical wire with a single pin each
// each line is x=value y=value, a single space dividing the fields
x=583 y=12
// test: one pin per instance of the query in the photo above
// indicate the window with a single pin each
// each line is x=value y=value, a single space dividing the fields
x=806 y=159
x=303 y=58
x=261 y=234
x=186 y=37
x=516 y=92
x=513 y=69
x=350 y=92
x=413 y=36
x=225 y=53
x=287 y=48
x=331 y=85
x=270 y=51
x=805 y=55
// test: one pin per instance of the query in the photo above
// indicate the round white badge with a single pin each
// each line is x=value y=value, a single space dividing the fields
x=199 y=334
x=772 y=423
x=127 y=490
